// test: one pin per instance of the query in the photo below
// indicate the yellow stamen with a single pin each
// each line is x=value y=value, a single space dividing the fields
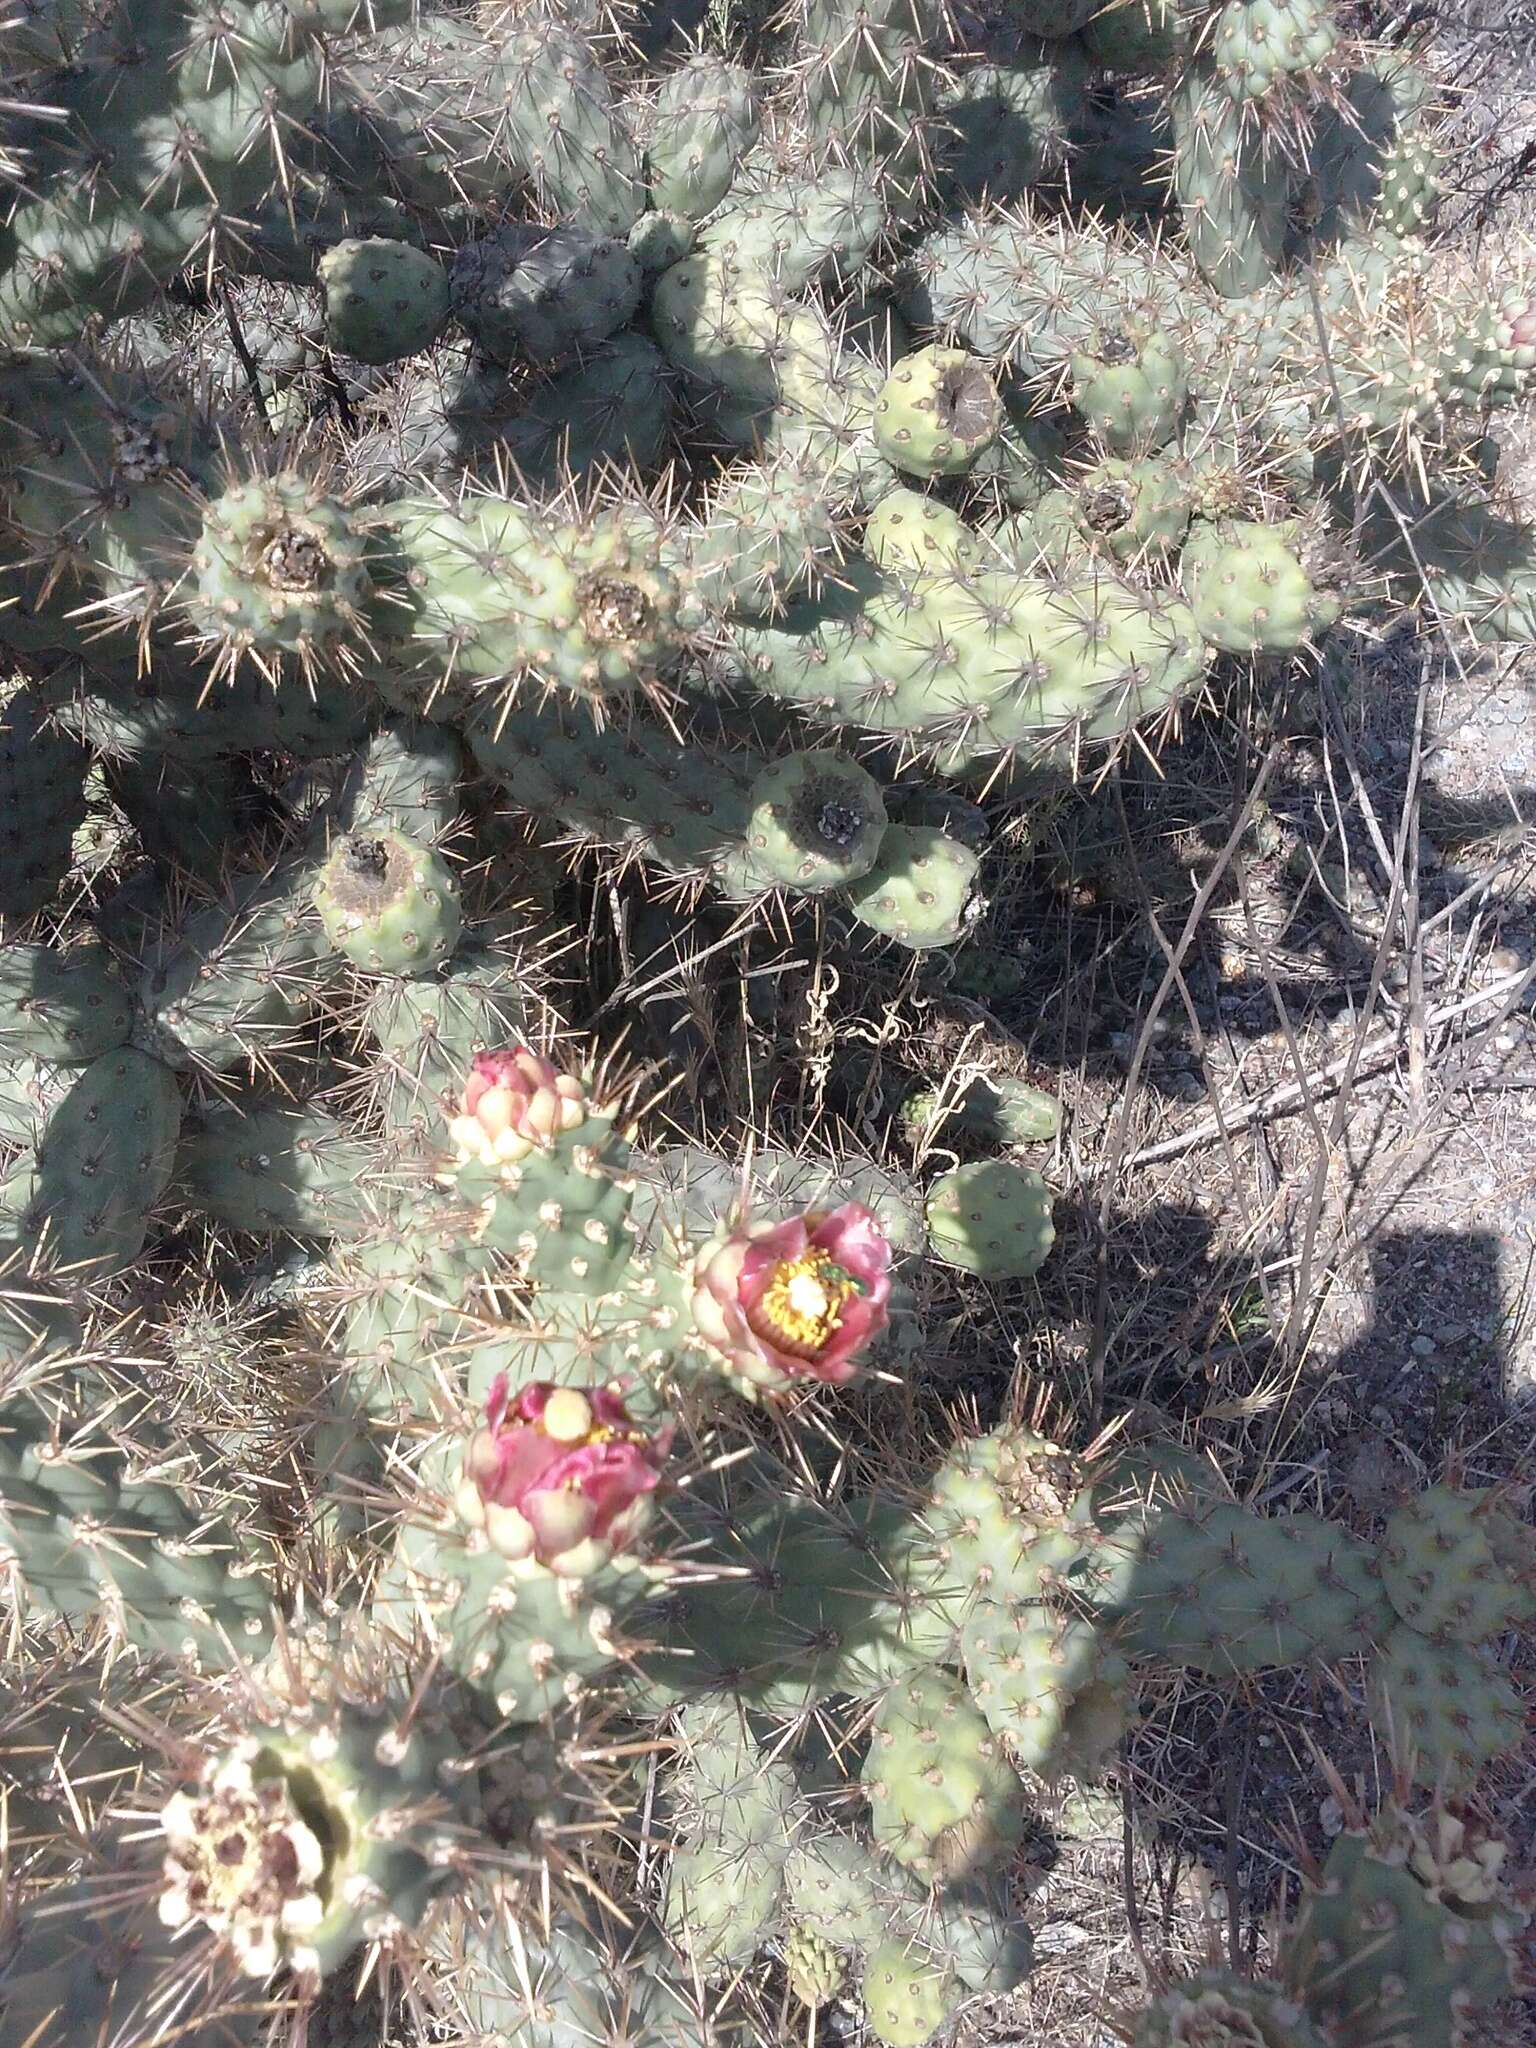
x=802 y=1303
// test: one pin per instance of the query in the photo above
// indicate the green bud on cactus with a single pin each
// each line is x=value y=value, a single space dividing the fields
x=816 y=1969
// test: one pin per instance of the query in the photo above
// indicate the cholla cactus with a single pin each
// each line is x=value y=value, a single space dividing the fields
x=444 y=449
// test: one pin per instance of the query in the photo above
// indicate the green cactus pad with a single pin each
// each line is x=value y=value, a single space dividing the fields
x=817 y=822
x=918 y=888
x=992 y=1218
x=936 y=412
x=1256 y=45
x=1250 y=591
x=906 y=1997
x=943 y=1799
x=270 y=1166
x=1051 y=1684
x=68 y=1007
x=1452 y=1707
x=42 y=801
x=1457 y=1567
x=1411 y=1934
x=1224 y=1590
x=996 y=1110
x=388 y=903
x=704 y=121
x=104 y=1161
x=909 y=531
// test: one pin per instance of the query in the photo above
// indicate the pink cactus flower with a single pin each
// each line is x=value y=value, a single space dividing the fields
x=514 y=1101
x=783 y=1302
x=560 y=1478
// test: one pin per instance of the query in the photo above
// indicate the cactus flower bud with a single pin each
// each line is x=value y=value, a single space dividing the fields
x=560 y=1477
x=514 y=1101
x=782 y=1302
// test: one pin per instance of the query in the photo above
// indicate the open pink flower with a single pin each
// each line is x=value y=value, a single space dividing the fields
x=514 y=1101
x=560 y=1477
x=791 y=1301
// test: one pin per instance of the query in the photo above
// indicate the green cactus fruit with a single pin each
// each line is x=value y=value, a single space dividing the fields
x=992 y=1218
x=279 y=567
x=907 y=1997
x=1250 y=590
x=816 y=1970
x=42 y=801
x=943 y=1799
x=67 y=1007
x=936 y=412
x=918 y=891
x=1457 y=1566
x=817 y=822
x=704 y=121
x=1223 y=1590
x=104 y=1161
x=909 y=531
x=1256 y=46
x=996 y=1110
x=388 y=903
x=270 y=1166
x=1131 y=385
x=304 y=1838
x=1220 y=2010
x=540 y=294
x=383 y=300
x=1133 y=511
x=1411 y=1934
x=1448 y=1706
